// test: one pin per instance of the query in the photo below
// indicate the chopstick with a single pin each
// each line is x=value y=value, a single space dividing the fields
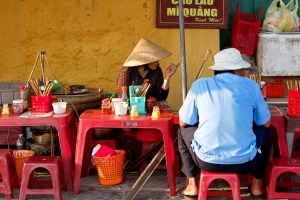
x=34 y=84
x=293 y=86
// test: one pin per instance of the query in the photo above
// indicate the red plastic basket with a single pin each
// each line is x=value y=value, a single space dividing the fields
x=245 y=31
x=41 y=103
x=294 y=102
x=275 y=90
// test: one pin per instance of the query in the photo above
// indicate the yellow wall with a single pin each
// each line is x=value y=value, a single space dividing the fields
x=87 y=41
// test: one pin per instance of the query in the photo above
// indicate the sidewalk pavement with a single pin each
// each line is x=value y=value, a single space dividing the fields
x=155 y=188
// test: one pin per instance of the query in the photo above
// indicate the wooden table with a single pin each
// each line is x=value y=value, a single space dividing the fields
x=65 y=125
x=90 y=119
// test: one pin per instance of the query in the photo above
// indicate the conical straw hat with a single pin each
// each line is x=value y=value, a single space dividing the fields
x=145 y=52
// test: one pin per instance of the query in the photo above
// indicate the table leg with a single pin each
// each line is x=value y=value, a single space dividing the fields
x=66 y=154
x=86 y=160
x=80 y=141
x=169 y=150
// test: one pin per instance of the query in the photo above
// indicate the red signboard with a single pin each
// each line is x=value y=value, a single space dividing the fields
x=197 y=14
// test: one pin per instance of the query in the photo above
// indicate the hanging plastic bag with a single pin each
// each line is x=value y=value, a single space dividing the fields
x=281 y=17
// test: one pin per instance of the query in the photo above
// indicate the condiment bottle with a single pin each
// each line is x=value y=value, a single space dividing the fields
x=155 y=112
x=134 y=111
x=124 y=93
x=151 y=102
x=5 y=109
x=23 y=97
x=105 y=106
x=20 y=142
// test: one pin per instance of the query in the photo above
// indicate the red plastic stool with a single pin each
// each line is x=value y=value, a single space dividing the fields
x=148 y=137
x=296 y=144
x=207 y=177
x=54 y=165
x=283 y=166
x=9 y=178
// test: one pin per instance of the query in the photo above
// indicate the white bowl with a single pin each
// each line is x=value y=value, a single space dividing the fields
x=59 y=107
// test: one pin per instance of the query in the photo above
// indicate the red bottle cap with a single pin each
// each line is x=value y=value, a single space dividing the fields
x=124 y=88
x=105 y=100
x=22 y=87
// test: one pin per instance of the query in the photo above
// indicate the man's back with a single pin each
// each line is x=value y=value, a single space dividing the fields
x=226 y=106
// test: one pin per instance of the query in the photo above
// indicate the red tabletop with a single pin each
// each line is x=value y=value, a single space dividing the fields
x=95 y=119
x=64 y=123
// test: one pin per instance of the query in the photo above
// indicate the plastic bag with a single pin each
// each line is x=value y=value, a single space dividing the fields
x=102 y=151
x=283 y=18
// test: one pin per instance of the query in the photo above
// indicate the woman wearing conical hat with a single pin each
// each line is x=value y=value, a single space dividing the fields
x=143 y=63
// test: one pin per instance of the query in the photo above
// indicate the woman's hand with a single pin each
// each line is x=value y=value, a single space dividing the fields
x=170 y=71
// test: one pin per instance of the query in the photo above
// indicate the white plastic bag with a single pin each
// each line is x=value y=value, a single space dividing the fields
x=283 y=18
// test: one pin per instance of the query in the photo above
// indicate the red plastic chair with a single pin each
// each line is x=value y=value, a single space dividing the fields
x=207 y=177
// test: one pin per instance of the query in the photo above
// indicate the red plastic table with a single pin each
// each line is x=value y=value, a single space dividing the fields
x=90 y=119
x=65 y=125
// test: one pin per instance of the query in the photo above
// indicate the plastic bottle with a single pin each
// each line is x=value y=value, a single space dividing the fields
x=134 y=112
x=5 y=109
x=23 y=96
x=20 y=143
x=124 y=93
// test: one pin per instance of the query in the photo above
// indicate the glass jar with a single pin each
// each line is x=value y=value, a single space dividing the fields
x=17 y=106
x=105 y=106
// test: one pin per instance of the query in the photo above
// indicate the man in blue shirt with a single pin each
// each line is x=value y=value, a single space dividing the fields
x=224 y=124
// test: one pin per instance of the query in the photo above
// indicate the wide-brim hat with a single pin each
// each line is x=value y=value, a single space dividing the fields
x=145 y=52
x=229 y=59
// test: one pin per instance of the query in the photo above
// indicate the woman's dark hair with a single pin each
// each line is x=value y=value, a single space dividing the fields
x=220 y=72
x=146 y=67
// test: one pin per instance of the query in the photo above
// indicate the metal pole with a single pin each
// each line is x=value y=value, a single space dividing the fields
x=182 y=49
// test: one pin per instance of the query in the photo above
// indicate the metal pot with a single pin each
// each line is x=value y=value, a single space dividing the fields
x=43 y=137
